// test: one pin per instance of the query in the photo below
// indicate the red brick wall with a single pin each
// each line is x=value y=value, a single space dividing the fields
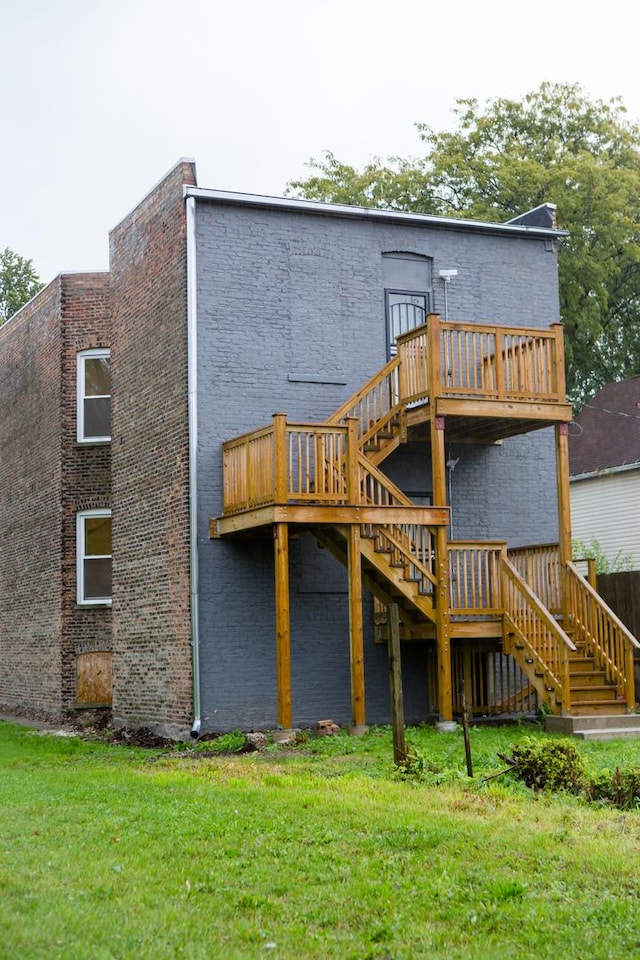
x=151 y=614
x=86 y=468
x=30 y=484
x=45 y=477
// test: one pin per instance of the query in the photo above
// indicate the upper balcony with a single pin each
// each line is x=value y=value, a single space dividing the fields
x=489 y=381
x=486 y=382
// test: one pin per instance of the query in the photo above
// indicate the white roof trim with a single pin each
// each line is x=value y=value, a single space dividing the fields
x=369 y=213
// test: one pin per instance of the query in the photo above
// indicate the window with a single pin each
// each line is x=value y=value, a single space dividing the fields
x=94 y=396
x=94 y=557
x=405 y=311
x=407 y=293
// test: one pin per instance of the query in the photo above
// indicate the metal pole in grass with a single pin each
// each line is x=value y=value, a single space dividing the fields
x=465 y=730
x=395 y=679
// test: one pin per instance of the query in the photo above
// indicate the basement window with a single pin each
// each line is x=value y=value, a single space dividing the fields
x=94 y=396
x=94 y=557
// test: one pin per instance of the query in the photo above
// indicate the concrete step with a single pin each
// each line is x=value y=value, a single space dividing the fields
x=596 y=726
x=605 y=708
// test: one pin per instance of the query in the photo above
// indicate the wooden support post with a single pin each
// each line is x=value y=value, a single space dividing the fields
x=565 y=549
x=353 y=473
x=283 y=624
x=564 y=498
x=280 y=457
x=439 y=477
x=434 y=366
x=395 y=680
x=558 y=366
x=356 y=631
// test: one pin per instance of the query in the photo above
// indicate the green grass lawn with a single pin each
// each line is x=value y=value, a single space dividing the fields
x=317 y=851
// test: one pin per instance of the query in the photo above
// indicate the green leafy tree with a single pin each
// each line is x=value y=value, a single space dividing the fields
x=18 y=283
x=505 y=157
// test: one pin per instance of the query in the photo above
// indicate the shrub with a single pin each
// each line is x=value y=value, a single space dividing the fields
x=549 y=765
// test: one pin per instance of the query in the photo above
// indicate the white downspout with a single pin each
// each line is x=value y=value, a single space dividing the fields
x=192 y=379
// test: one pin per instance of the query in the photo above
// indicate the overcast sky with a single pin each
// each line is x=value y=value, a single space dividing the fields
x=101 y=97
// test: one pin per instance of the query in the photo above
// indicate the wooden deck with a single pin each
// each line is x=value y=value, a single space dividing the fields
x=479 y=383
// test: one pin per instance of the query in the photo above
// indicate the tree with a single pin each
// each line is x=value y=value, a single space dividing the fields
x=507 y=156
x=18 y=283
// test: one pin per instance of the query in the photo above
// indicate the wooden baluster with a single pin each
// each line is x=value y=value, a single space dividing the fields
x=499 y=352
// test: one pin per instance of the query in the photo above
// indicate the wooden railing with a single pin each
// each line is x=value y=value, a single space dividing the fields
x=374 y=406
x=409 y=545
x=486 y=361
x=287 y=462
x=248 y=468
x=494 y=683
x=439 y=359
x=416 y=370
x=539 y=566
x=474 y=578
x=545 y=643
x=606 y=637
x=502 y=363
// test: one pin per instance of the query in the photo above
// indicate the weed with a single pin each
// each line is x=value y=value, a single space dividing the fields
x=621 y=788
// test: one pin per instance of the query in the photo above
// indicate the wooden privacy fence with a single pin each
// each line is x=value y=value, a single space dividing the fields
x=621 y=592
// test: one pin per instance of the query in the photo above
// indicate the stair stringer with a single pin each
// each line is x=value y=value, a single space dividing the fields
x=541 y=679
x=383 y=581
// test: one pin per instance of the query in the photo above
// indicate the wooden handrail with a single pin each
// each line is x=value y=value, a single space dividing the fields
x=413 y=544
x=604 y=634
x=545 y=641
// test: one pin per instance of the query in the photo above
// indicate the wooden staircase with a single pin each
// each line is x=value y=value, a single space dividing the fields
x=590 y=692
x=327 y=478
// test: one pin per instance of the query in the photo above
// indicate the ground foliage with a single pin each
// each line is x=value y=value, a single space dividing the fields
x=505 y=157
x=314 y=850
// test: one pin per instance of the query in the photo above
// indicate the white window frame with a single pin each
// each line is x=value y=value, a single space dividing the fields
x=99 y=353
x=81 y=600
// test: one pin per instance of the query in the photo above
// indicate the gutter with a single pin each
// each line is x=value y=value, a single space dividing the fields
x=192 y=381
x=605 y=472
x=370 y=213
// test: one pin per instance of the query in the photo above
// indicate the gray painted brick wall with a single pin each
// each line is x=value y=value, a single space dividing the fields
x=287 y=297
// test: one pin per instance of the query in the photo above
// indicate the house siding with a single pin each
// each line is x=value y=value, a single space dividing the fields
x=605 y=508
x=290 y=319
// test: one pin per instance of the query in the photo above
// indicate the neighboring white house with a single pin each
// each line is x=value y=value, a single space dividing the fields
x=604 y=452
